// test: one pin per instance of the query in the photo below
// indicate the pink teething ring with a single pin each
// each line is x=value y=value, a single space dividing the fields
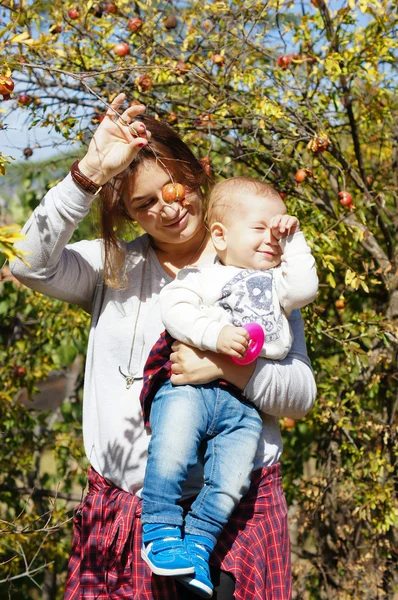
x=256 y=343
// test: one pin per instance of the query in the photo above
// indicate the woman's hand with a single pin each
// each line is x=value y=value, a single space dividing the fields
x=114 y=144
x=195 y=367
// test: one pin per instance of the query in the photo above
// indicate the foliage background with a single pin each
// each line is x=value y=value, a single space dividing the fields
x=332 y=111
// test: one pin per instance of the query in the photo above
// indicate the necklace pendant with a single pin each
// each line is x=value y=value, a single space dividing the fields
x=129 y=382
x=129 y=379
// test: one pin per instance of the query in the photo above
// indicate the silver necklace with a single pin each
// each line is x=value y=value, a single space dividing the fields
x=131 y=377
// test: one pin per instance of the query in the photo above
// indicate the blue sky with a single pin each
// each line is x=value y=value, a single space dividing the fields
x=16 y=136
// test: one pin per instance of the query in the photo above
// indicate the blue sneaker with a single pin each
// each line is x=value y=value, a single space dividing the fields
x=199 y=549
x=164 y=551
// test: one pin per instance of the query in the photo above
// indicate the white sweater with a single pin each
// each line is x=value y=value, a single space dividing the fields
x=201 y=301
x=115 y=439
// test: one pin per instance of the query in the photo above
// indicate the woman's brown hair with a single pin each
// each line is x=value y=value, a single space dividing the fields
x=168 y=149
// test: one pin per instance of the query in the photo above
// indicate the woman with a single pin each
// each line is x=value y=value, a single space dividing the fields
x=119 y=285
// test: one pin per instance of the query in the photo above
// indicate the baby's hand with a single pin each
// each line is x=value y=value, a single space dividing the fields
x=233 y=341
x=284 y=225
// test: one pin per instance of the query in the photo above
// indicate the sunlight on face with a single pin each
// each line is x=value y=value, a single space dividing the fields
x=250 y=242
x=167 y=223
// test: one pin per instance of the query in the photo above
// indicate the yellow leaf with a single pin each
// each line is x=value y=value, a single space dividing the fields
x=20 y=38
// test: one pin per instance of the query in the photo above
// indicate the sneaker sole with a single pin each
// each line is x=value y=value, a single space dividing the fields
x=165 y=572
x=202 y=590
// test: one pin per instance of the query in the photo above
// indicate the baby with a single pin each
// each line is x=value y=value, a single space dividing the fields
x=264 y=270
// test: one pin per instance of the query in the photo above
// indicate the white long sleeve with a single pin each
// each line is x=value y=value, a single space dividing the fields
x=69 y=273
x=187 y=309
x=296 y=278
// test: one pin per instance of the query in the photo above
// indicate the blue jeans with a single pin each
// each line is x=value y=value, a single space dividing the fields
x=181 y=418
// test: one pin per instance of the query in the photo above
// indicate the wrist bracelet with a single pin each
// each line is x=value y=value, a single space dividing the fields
x=84 y=182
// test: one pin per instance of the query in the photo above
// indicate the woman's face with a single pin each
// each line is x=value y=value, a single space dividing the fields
x=166 y=223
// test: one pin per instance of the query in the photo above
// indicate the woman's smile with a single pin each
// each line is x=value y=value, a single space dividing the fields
x=181 y=221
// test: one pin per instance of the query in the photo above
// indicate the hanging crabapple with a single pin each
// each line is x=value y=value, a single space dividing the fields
x=121 y=49
x=144 y=83
x=170 y=22
x=182 y=68
x=110 y=7
x=206 y=164
x=173 y=192
x=134 y=24
x=73 y=13
x=340 y=304
x=24 y=99
x=301 y=175
x=6 y=86
x=218 y=60
x=345 y=198
x=284 y=61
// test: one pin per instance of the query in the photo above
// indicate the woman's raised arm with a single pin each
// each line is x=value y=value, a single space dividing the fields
x=71 y=273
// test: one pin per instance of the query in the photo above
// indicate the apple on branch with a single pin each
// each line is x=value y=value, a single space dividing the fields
x=121 y=49
x=144 y=83
x=134 y=24
x=173 y=192
x=74 y=13
x=6 y=87
x=110 y=7
x=24 y=99
x=170 y=22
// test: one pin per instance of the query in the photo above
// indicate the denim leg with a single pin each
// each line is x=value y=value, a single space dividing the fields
x=179 y=423
x=229 y=460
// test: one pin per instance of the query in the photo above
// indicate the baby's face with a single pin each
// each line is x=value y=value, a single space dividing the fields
x=250 y=242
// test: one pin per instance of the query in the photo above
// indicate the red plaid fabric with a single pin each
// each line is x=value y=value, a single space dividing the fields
x=106 y=551
x=157 y=370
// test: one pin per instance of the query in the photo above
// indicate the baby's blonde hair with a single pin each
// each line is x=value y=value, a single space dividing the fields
x=225 y=196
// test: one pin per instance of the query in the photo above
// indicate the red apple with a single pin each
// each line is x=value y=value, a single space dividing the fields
x=27 y=152
x=340 y=304
x=170 y=22
x=73 y=13
x=110 y=7
x=182 y=68
x=301 y=175
x=24 y=99
x=56 y=28
x=121 y=49
x=284 y=61
x=218 y=60
x=345 y=198
x=19 y=372
x=134 y=24
x=319 y=144
x=206 y=164
x=289 y=423
x=6 y=86
x=145 y=83
x=173 y=192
